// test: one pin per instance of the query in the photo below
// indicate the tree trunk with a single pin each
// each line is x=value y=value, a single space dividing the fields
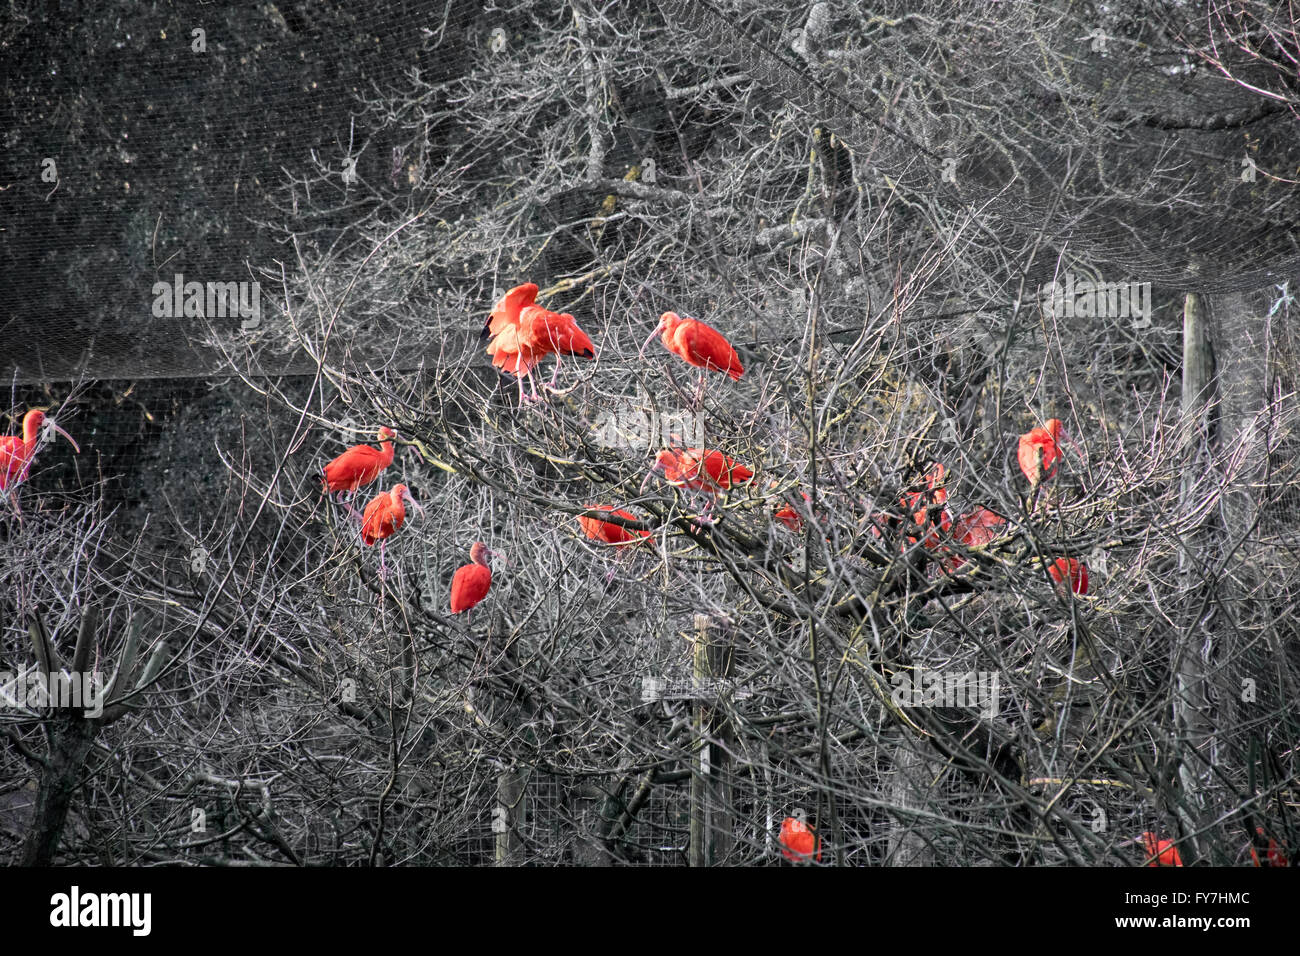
x=59 y=781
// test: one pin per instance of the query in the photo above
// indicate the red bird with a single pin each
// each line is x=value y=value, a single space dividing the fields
x=919 y=503
x=975 y=530
x=1274 y=856
x=471 y=582
x=608 y=532
x=789 y=517
x=1160 y=852
x=16 y=453
x=699 y=344
x=1039 y=452
x=359 y=465
x=522 y=334
x=699 y=469
x=383 y=518
x=1075 y=570
x=798 y=842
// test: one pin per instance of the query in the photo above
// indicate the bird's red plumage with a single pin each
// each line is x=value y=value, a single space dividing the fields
x=701 y=469
x=798 y=842
x=608 y=532
x=469 y=585
x=1073 y=570
x=700 y=345
x=1038 y=442
x=522 y=333
x=358 y=466
x=384 y=516
x=17 y=451
x=1160 y=852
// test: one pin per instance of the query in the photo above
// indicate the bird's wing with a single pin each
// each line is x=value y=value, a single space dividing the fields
x=506 y=312
x=707 y=346
x=549 y=331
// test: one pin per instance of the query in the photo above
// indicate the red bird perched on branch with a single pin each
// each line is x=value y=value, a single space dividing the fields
x=384 y=517
x=17 y=452
x=1073 y=570
x=608 y=532
x=919 y=503
x=798 y=842
x=789 y=517
x=1160 y=852
x=699 y=344
x=523 y=333
x=975 y=530
x=1274 y=856
x=699 y=469
x=1040 y=452
x=471 y=582
x=359 y=465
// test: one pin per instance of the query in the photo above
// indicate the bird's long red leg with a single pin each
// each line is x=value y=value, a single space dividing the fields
x=383 y=568
x=533 y=396
x=555 y=376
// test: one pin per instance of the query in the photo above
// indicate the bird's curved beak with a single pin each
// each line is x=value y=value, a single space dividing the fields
x=1063 y=438
x=655 y=469
x=498 y=555
x=56 y=428
x=410 y=499
x=653 y=335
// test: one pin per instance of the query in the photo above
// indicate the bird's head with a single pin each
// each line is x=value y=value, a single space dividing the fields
x=662 y=461
x=479 y=553
x=1061 y=436
x=386 y=434
x=667 y=323
x=403 y=493
x=37 y=424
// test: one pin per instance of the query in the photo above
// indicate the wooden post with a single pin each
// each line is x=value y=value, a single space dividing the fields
x=1190 y=702
x=508 y=817
x=711 y=833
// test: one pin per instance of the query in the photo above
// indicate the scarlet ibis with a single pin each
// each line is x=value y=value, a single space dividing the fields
x=608 y=532
x=359 y=465
x=16 y=453
x=975 y=529
x=471 y=582
x=383 y=518
x=1160 y=852
x=798 y=841
x=935 y=493
x=698 y=344
x=1073 y=570
x=1039 y=452
x=1274 y=856
x=523 y=333
x=787 y=514
x=699 y=469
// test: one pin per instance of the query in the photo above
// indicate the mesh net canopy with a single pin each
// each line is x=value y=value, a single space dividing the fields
x=238 y=144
